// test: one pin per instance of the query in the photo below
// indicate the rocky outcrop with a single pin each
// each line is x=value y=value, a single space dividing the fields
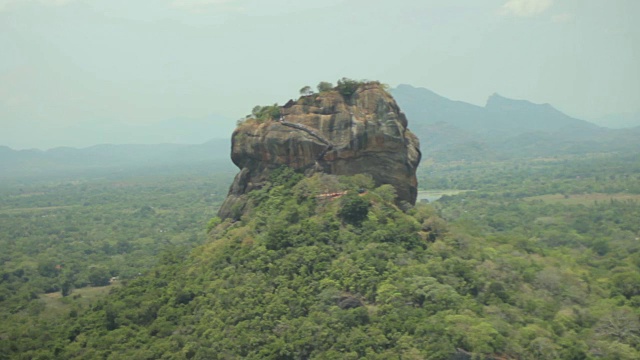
x=362 y=133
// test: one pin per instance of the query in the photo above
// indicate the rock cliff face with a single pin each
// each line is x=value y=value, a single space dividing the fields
x=327 y=132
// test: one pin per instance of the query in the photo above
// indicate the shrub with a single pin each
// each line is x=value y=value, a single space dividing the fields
x=264 y=113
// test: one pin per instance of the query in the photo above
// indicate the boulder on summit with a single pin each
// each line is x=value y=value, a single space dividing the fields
x=360 y=132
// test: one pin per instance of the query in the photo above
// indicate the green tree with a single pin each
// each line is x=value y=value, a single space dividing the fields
x=324 y=86
x=306 y=91
x=353 y=208
x=98 y=276
x=66 y=287
x=627 y=283
x=347 y=87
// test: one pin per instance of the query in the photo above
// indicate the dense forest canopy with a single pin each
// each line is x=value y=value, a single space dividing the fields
x=539 y=261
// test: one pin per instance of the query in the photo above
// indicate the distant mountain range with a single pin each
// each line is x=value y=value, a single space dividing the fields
x=503 y=128
x=448 y=130
x=17 y=163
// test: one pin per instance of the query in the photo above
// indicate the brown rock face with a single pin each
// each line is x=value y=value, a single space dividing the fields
x=364 y=133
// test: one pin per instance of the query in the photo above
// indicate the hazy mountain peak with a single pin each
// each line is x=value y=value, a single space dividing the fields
x=500 y=118
x=423 y=93
x=497 y=101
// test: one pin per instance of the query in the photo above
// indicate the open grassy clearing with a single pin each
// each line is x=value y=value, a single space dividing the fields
x=55 y=303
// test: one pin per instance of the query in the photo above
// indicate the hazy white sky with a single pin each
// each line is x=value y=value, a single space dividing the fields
x=73 y=64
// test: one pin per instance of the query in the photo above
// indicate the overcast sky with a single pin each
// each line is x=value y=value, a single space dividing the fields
x=73 y=64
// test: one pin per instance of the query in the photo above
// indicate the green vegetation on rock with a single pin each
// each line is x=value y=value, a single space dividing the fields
x=264 y=113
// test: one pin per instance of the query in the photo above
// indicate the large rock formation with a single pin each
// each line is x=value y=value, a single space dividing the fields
x=327 y=132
